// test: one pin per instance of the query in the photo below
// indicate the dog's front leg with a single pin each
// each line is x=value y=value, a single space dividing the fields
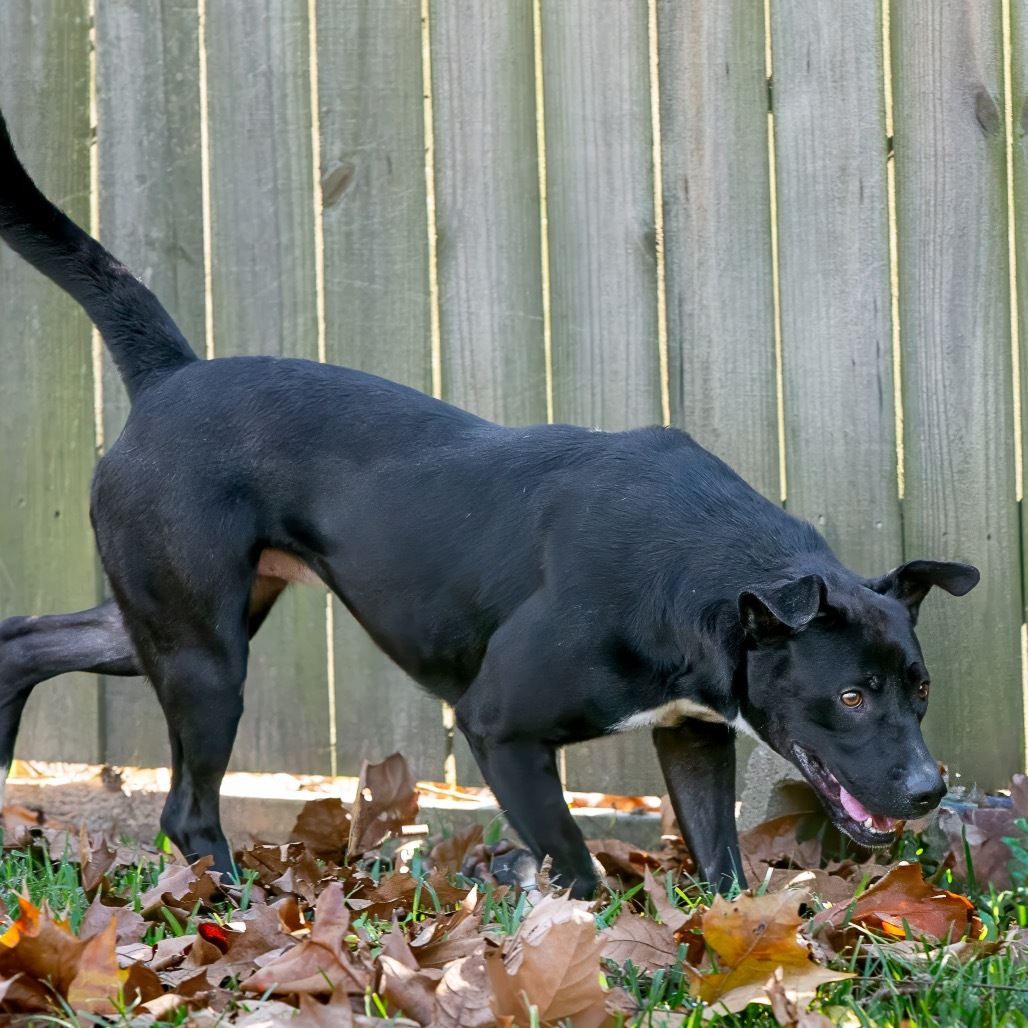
x=698 y=762
x=522 y=774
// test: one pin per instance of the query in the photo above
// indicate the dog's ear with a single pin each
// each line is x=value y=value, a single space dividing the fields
x=770 y=613
x=910 y=582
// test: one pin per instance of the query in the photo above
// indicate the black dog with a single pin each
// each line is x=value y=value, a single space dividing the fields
x=554 y=584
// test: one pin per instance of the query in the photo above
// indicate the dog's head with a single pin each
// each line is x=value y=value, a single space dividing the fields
x=836 y=683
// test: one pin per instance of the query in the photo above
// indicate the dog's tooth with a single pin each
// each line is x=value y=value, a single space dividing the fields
x=869 y=823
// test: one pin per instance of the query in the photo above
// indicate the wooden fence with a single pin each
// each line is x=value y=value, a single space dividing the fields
x=785 y=227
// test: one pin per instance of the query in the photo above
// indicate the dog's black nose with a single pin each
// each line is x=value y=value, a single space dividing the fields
x=925 y=788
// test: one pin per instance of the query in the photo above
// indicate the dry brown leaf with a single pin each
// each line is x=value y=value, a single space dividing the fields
x=450 y=855
x=648 y=945
x=321 y=963
x=98 y=979
x=776 y=843
x=386 y=800
x=131 y=927
x=751 y=937
x=462 y=996
x=323 y=826
x=622 y=862
x=40 y=948
x=408 y=989
x=262 y=931
x=553 y=964
x=786 y=1012
x=181 y=888
x=901 y=897
x=672 y=916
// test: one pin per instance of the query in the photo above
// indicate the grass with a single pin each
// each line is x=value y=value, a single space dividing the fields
x=891 y=987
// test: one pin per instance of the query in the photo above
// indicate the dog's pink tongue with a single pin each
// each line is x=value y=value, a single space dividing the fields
x=853 y=806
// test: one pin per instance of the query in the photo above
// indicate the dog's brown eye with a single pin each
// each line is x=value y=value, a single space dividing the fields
x=922 y=690
x=852 y=698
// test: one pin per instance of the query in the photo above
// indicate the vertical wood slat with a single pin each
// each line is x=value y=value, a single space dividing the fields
x=603 y=284
x=717 y=239
x=487 y=209
x=265 y=302
x=151 y=218
x=833 y=244
x=1019 y=112
x=47 y=556
x=377 y=311
x=957 y=391
x=717 y=233
x=488 y=220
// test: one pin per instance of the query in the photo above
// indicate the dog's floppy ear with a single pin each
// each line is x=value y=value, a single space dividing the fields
x=910 y=582
x=769 y=613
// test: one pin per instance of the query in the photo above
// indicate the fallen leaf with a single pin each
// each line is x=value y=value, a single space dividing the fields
x=621 y=861
x=321 y=963
x=98 y=979
x=648 y=945
x=181 y=888
x=131 y=927
x=386 y=800
x=323 y=826
x=462 y=996
x=787 y=1013
x=902 y=898
x=450 y=855
x=551 y=963
x=751 y=937
x=262 y=930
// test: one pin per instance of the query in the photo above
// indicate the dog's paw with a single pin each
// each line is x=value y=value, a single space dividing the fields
x=516 y=867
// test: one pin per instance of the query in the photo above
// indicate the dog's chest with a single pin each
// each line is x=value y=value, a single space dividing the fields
x=667 y=715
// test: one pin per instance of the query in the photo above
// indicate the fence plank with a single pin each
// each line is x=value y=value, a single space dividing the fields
x=1019 y=111
x=151 y=217
x=833 y=231
x=599 y=157
x=376 y=308
x=265 y=301
x=717 y=239
x=717 y=233
x=957 y=391
x=47 y=556
x=487 y=209
x=487 y=219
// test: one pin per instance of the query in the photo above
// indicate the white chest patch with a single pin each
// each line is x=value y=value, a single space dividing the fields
x=667 y=715
x=741 y=725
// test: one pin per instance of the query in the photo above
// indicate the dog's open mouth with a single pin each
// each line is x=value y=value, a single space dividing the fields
x=846 y=811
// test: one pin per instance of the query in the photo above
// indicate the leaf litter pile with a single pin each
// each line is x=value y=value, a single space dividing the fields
x=354 y=923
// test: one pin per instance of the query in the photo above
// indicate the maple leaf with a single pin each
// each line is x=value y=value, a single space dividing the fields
x=98 y=979
x=751 y=937
x=450 y=855
x=386 y=800
x=901 y=899
x=323 y=826
x=181 y=888
x=648 y=945
x=551 y=963
x=320 y=964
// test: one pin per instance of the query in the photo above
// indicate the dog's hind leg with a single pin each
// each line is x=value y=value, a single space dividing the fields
x=34 y=649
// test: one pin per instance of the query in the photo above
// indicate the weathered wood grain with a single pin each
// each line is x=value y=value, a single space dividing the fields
x=957 y=391
x=47 y=557
x=488 y=219
x=717 y=238
x=603 y=283
x=833 y=247
x=151 y=218
x=377 y=314
x=487 y=209
x=265 y=301
x=717 y=233
x=1019 y=124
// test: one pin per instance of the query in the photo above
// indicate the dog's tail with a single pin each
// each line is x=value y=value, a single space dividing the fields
x=143 y=339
